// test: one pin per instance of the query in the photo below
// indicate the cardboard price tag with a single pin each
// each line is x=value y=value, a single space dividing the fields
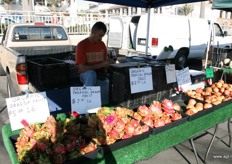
x=141 y=79
x=27 y=109
x=85 y=98
x=209 y=73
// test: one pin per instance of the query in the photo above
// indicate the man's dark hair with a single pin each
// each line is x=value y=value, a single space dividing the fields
x=99 y=26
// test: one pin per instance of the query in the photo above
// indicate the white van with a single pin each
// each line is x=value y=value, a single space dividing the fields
x=171 y=37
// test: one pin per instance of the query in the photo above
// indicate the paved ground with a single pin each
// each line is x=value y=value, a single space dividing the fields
x=4 y=158
x=182 y=153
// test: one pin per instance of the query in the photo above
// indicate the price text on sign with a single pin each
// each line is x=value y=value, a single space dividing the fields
x=85 y=98
x=170 y=73
x=141 y=79
x=183 y=77
x=27 y=109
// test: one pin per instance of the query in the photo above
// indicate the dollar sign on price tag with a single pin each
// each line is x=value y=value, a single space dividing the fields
x=85 y=98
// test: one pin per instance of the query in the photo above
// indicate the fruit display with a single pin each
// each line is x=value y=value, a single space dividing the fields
x=55 y=141
x=215 y=94
x=194 y=107
x=110 y=125
x=62 y=139
x=158 y=114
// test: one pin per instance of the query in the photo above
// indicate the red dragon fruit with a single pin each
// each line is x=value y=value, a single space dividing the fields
x=137 y=116
x=145 y=128
x=119 y=125
x=168 y=106
x=126 y=136
x=138 y=130
x=156 y=108
x=159 y=123
x=143 y=110
x=148 y=121
x=129 y=128
x=135 y=123
x=114 y=134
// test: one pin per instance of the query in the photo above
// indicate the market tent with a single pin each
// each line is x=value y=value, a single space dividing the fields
x=147 y=3
x=222 y=5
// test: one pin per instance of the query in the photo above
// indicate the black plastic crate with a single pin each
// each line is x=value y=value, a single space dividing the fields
x=48 y=73
x=123 y=142
x=119 y=85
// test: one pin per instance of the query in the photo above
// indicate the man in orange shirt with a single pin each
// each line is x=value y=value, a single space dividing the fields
x=92 y=57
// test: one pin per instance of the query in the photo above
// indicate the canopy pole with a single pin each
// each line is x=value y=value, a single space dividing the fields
x=148 y=30
x=210 y=39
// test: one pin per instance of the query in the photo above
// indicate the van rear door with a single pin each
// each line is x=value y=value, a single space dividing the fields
x=199 y=31
x=219 y=39
x=115 y=35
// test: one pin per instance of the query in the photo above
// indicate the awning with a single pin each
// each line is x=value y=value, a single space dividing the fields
x=222 y=5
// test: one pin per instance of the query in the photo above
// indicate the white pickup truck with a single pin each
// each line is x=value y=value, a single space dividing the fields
x=34 y=57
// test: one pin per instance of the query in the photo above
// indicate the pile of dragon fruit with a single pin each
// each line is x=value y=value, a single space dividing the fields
x=54 y=141
x=158 y=114
x=110 y=125
x=58 y=140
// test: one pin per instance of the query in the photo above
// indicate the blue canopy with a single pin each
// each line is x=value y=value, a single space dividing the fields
x=222 y=5
x=146 y=3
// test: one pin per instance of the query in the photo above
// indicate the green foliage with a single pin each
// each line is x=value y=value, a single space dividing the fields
x=7 y=1
x=186 y=9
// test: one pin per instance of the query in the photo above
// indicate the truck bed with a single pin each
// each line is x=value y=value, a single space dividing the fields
x=60 y=52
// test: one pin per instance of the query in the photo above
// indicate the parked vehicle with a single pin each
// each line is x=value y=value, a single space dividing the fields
x=23 y=44
x=171 y=37
x=6 y=21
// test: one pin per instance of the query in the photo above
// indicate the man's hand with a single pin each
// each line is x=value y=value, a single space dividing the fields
x=105 y=64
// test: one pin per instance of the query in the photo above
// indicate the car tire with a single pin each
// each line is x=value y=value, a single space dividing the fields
x=180 y=61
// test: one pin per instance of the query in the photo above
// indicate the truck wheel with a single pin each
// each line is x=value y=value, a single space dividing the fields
x=180 y=61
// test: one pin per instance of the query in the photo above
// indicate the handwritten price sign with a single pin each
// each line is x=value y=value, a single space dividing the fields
x=141 y=79
x=85 y=98
x=27 y=109
x=170 y=73
x=183 y=78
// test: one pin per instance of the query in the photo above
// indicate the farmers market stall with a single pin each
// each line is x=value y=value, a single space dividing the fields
x=144 y=94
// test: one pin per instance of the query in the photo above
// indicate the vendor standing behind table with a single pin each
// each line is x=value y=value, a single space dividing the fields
x=92 y=60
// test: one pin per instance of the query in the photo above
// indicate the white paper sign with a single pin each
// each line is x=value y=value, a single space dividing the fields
x=85 y=98
x=53 y=106
x=170 y=73
x=183 y=78
x=141 y=79
x=27 y=109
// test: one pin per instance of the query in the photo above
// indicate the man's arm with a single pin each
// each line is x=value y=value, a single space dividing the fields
x=105 y=64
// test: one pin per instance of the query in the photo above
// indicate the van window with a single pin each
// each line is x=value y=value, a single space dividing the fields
x=38 y=33
x=218 y=31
